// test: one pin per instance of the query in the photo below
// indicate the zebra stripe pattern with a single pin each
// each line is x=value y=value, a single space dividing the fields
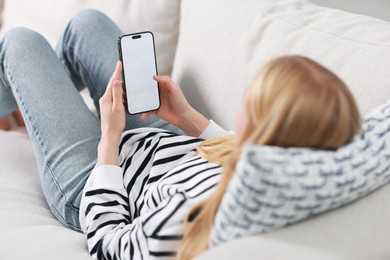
x=142 y=217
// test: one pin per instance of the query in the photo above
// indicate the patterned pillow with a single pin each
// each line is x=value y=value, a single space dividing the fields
x=273 y=187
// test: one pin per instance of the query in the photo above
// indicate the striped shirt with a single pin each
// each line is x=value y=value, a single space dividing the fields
x=136 y=210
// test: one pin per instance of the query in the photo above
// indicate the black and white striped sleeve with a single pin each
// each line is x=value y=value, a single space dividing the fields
x=104 y=213
x=112 y=234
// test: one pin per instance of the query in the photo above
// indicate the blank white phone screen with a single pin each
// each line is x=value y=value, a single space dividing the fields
x=139 y=67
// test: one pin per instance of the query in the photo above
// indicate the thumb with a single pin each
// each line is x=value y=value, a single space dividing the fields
x=117 y=94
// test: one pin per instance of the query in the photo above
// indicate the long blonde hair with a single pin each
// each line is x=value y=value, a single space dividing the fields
x=293 y=101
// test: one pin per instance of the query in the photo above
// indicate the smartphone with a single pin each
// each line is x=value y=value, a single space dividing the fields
x=138 y=56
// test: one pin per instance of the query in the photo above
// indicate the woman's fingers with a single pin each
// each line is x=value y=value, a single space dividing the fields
x=117 y=95
x=164 y=81
x=115 y=76
x=159 y=78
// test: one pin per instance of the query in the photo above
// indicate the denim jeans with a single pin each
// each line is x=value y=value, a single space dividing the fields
x=45 y=85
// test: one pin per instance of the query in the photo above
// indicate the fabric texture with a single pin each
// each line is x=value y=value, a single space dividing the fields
x=273 y=187
x=223 y=42
x=29 y=230
x=66 y=138
x=160 y=17
x=138 y=213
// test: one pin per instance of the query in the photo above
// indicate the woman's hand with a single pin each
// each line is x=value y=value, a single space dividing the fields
x=112 y=110
x=174 y=106
x=112 y=116
x=176 y=110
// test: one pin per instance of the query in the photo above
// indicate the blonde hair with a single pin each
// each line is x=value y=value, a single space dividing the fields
x=293 y=101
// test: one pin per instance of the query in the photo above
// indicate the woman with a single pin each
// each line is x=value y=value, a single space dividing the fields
x=133 y=206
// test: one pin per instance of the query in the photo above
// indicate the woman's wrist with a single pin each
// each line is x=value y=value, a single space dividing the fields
x=193 y=123
x=108 y=150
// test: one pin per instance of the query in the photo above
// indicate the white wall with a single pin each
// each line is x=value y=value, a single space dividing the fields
x=376 y=8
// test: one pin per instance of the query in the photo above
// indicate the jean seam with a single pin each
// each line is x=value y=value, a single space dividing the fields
x=10 y=78
x=4 y=69
x=46 y=165
x=6 y=86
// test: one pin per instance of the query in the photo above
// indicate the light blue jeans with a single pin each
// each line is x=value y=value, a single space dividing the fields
x=45 y=86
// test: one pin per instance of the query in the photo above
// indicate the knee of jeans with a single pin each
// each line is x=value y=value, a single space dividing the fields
x=85 y=23
x=20 y=39
x=87 y=19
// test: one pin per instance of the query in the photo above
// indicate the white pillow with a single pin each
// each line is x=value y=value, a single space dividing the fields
x=273 y=186
x=223 y=42
x=51 y=17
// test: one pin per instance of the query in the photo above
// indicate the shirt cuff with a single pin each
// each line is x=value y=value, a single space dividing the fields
x=107 y=175
x=213 y=130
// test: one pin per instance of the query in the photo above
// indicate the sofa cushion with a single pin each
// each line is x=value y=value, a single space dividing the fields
x=51 y=17
x=223 y=42
x=259 y=247
x=273 y=186
x=28 y=229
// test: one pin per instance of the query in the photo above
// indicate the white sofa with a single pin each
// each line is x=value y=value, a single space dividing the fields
x=212 y=48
